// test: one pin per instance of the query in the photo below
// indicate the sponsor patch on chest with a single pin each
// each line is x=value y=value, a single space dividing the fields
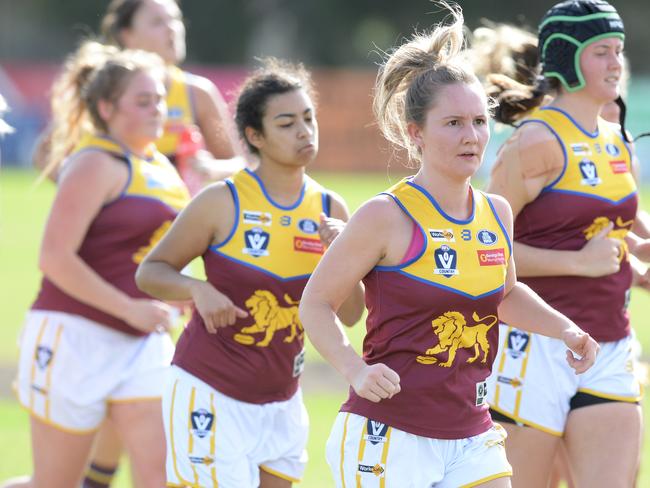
x=305 y=244
x=446 y=261
x=491 y=257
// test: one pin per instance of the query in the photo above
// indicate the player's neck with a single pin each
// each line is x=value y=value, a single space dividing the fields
x=583 y=109
x=282 y=183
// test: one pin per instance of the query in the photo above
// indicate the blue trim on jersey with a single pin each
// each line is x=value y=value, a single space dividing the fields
x=627 y=147
x=443 y=287
x=573 y=121
x=256 y=268
x=595 y=197
x=235 y=198
x=496 y=216
x=440 y=210
x=123 y=156
x=564 y=151
x=268 y=197
x=140 y=197
x=327 y=200
x=424 y=236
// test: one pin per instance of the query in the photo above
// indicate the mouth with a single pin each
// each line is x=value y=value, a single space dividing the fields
x=614 y=80
x=468 y=155
x=307 y=147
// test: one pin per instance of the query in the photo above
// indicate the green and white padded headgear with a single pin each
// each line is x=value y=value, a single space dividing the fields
x=569 y=27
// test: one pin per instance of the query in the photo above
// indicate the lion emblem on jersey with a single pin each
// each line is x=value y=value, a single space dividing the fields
x=454 y=333
x=619 y=232
x=270 y=317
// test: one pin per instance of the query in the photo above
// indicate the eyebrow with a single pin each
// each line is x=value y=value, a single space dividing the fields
x=463 y=116
x=291 y=115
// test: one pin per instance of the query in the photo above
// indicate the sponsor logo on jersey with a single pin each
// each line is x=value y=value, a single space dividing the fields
x=517 y=343
x=256 y=242
x=486 y=237
x=446 y=261
x=206 y=460
x=299 y=364
x=612 y=149
x=308 y=226
x=377 y=469
x=43 y=356
x=580 y=149
x=589 y=173
x=598 y=148
x=376 y=432
x=442 y=235
x=514 y=382
x=466 y=235
x=304 y=244
x=201 y=422
x=285 y=220
x=618 y=166
x=492 y=257
x=481 y=392
x=159 y=177
x=258 y=218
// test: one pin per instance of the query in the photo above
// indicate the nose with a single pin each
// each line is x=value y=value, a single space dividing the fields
x=470 y=134
x=616 y=60
x=305 y=130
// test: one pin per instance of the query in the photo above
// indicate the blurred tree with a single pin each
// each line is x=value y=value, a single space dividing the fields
x=319 y=32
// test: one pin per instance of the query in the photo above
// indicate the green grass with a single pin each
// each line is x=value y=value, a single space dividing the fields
x=23 y=210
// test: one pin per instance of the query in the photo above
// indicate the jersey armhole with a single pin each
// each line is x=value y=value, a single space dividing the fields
x=498 y=219
x=235 y=198
x=559 y=140
x=327 y=203
x=411 y=255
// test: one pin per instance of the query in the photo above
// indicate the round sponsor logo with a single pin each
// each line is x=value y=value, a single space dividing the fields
x=486 y=237
x=612 y=149
x=308 y=226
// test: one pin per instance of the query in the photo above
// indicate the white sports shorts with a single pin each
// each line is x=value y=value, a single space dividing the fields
x=532 y=383
x=363 y=452
x=214 y=440
x=71 y=367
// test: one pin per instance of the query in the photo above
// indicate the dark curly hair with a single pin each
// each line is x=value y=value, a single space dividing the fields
x=274 y=77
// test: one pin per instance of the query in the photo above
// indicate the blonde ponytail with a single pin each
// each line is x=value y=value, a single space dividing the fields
x=408 y=82
x=95 y=72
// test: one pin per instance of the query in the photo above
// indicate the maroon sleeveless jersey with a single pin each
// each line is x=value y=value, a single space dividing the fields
x=434 y=321
x=263 y=267
x=596 y=187
x=123 y=231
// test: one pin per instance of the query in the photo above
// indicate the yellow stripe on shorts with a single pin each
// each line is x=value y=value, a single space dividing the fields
x=384 y=458
x=34 y=361
x=502 y=364
x=190 y=440
x=345 y=433
x=522 y=375
x=48 y=379
x=213 y=470
x=362 y=449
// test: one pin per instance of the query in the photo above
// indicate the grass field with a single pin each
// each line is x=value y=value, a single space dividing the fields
x=23 y=209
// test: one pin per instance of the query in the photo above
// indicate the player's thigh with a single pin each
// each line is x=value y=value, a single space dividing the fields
x=59 y=456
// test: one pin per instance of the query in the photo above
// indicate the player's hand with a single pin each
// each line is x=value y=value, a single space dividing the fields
x=215 y=308
x=582 y=344
x=375 y=382
x=600 y=256
x=148 y=315
x=329 y=228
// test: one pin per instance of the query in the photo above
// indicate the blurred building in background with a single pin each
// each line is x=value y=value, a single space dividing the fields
x=340 y=40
